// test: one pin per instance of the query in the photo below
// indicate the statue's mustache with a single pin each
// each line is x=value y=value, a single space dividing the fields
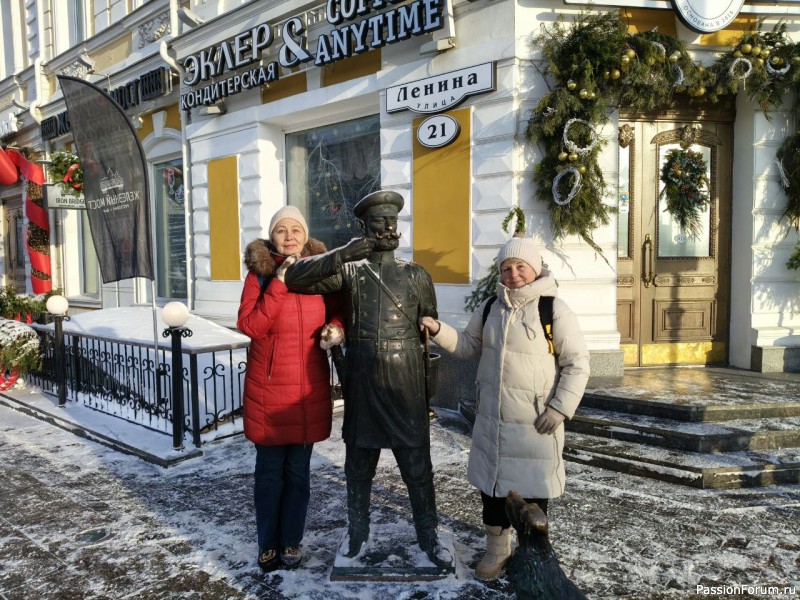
x=388 y=235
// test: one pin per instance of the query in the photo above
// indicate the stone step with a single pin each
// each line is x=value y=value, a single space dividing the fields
x=700 y=470
x=728 y=436
x=753 y=408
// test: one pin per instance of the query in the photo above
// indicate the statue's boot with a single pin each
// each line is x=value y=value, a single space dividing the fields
x=358 y=497
x=423 y=508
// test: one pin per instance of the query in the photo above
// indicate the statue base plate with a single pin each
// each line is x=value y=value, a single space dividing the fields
x=391 y=554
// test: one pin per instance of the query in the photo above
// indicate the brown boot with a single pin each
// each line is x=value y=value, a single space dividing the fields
x=498 y=551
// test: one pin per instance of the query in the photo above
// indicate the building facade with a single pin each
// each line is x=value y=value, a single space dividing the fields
x=243 y=107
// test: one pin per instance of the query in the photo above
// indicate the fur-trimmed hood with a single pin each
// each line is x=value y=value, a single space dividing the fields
x=259 y=257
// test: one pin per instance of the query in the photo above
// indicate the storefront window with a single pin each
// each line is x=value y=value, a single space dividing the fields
x=329 y=169
x=90 y=280
x=170 y=230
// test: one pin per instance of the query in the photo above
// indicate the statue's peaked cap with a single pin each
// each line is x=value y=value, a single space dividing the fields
x=378 y=198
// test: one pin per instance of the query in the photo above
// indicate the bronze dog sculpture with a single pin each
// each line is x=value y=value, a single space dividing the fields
x=533 y=568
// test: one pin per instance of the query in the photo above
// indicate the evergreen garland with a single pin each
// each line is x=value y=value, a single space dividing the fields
x=66 y=171
x=685 y=189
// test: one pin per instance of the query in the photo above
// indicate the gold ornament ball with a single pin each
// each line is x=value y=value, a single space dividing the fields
x=571 y=85
x=674 y=57
x=678 y=172
x=701 y=69
x=582 y=169
x=651 y=61
x=584 y=94
x=573 y=156
x=592 y=96
x=746 y=48
x=625 y=60
x=701 y=91
x=615 y=74
x=775 y=60
x=796 y=60
x=737 y=54
x=562 y=156
x=760 y=61
x=606 y=75
x=630 y=53
x=756 y=50
x=765 y=52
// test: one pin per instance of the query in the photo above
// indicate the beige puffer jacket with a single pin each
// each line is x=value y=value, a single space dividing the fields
x=518 y=377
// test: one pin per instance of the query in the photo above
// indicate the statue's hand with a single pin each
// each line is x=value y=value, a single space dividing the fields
x=356 y=249
x=430 y=323
x=549 y=421
x=332 y=335
x=280 y=274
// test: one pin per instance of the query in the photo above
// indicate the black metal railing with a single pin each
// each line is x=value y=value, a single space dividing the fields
x=134 y=381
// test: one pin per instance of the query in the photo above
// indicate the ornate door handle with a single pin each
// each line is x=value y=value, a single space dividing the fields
x=647 y=249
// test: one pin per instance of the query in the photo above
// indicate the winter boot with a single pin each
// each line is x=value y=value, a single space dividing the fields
x=498 y=551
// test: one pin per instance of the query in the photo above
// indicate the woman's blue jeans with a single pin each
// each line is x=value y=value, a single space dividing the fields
x=282 y=491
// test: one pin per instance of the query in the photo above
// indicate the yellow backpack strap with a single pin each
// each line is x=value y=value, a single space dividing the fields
x=546 y=317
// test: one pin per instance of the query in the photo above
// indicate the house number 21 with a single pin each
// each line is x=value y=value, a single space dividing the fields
x=438 y=131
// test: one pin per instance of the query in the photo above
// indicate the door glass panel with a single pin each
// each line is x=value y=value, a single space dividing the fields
x=672 y=241
x=170 y=230
x=329 y=169
x=623 y=216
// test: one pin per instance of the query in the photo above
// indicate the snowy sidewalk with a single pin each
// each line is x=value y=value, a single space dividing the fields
x=78 y=520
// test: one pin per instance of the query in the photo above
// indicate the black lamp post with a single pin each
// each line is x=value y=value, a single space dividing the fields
x=175 y=315
x=57 y=306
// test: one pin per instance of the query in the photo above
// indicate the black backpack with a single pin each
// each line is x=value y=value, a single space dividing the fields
x=545 y=316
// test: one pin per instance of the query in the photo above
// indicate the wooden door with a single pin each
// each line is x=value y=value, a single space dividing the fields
x=13 y=223
x=672 y=288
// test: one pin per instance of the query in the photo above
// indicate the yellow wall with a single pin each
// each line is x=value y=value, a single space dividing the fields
x=352 y=68
x=284 y=87
x=442 y=212
x=173 y=121
x=642 y=19
x=223 y=209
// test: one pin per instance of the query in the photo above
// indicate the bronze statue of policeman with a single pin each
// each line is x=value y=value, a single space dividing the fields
x=384 y=382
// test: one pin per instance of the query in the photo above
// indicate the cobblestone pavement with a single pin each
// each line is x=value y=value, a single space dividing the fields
x=78 y=520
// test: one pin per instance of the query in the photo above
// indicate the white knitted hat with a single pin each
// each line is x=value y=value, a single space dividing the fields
x=288 y=212
x=523 y=249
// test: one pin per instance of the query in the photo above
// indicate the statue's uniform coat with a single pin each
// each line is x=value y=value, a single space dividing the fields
x=384 y=384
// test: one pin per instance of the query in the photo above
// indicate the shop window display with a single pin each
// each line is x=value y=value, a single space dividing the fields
x=329 y=169
x=170 y=230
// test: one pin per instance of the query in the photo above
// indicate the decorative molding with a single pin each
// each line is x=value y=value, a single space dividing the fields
x=626 y=135
x=626 y=281
x=686 y=280
x=80 y=68
x=154 y=29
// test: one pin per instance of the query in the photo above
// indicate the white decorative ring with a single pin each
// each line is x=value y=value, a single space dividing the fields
x=748 y=68
x=572 y=146
x=679 y=78
x=576 y=186
x=773 y=71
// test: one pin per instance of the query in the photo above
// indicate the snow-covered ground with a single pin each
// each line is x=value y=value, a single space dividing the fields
x=78 y=520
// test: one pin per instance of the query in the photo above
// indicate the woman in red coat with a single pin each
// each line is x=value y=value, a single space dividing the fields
x=287 y=394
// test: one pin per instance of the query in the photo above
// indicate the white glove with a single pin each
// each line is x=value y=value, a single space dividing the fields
x=281 y=272
x=431 y=323
x=332 y=335
x=549 y=421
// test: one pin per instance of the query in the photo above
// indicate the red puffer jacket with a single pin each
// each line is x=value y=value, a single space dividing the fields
x=287 y=392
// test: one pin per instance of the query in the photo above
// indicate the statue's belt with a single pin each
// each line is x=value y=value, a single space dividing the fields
x=387 y=345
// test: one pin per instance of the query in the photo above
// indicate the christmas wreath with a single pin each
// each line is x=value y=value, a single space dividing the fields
x=65 y=170
x=685 y=189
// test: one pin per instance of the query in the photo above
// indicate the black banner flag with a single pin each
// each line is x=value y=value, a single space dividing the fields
x=114 y=180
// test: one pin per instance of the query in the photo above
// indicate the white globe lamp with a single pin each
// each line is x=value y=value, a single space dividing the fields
x=175 y=314
x=57 y=305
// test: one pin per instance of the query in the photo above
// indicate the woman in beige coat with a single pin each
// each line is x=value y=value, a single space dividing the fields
x=524 y=392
